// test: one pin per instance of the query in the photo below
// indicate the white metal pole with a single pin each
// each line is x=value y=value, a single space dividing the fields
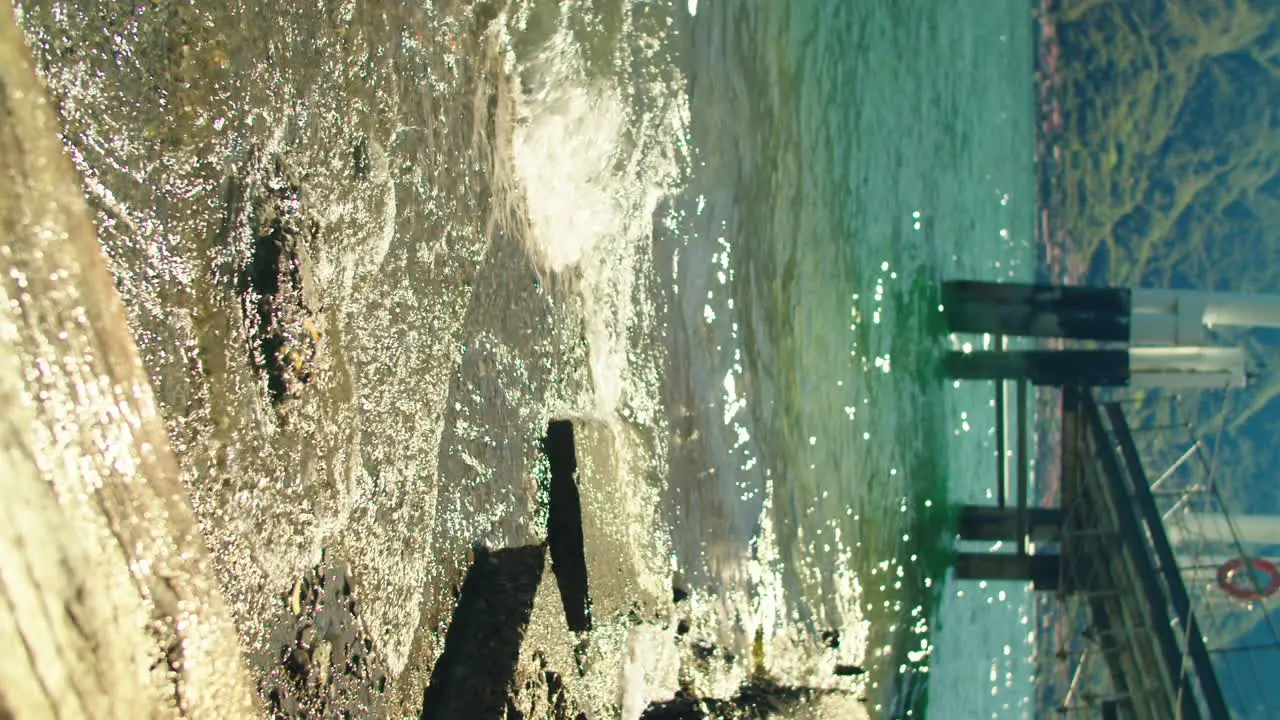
x=1192 y=308
x=1187 y=367
x=1214 y=527
x=1176 y=464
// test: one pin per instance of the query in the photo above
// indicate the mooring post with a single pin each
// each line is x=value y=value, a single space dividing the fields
x=986 y=522
x=1036 y=310
x=1040 y=569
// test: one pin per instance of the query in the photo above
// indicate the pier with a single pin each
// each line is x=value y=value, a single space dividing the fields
x=1141 y=632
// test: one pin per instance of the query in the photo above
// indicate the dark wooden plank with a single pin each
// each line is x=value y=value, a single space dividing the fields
x=1037 y=310
x=1042 y=570
x=1060 y=368
x=984 y=522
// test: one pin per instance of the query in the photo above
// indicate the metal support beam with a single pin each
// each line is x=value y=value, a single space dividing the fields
x=1195 y=447
x=1002 y=457
x=1023 y=460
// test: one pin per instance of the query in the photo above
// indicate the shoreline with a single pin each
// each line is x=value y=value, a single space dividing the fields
x=1056 y=259
x=1058 y=263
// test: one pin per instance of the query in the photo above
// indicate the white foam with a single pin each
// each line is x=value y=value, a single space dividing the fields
x=590 y=186
x=591 y=170
x=565 y=150
x=650 y=670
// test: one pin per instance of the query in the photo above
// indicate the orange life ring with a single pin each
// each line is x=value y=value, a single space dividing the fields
x=1249 y=592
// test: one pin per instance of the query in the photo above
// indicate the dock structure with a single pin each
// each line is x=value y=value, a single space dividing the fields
x=1104 y=552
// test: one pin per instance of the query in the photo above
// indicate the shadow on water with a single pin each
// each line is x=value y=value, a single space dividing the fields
x=478 y=673
x=930 y=546
x=475 y=674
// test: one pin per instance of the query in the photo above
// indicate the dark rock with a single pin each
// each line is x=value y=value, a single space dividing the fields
x=564 y=526
x=688 y=707
x=270 y=277
x=298 y=664
x=482 y=646
x=322 y=664
x=831 y=638
x=555 y=694
x=761 y=698
x=580 y=651
x=702 y=650
x=361 y=162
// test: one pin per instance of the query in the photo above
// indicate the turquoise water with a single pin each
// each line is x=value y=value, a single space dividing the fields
x=864 y=151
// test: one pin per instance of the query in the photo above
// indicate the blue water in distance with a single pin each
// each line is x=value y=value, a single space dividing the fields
x=852 y=155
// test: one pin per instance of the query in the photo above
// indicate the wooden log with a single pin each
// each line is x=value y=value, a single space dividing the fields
x=109 y=607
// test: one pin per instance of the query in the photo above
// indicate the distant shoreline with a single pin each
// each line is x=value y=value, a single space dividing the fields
x=1057 y=262
x=1056 y=259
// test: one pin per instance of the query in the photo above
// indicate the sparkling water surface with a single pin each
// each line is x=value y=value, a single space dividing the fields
x=711 y=233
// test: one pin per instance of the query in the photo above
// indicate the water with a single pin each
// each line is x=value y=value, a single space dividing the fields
x=709 y=232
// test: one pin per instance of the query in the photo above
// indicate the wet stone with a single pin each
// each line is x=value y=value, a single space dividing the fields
x=542 y=695
x=321 y=662
x=756 y=700
x=831 y=638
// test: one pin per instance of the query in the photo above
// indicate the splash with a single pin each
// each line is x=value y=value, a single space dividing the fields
x=591 y=176
x=565 y=152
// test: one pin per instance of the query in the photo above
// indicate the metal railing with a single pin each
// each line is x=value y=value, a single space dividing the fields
x=1189 y=483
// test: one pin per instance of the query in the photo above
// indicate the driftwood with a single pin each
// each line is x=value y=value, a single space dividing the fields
x=108 y=604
